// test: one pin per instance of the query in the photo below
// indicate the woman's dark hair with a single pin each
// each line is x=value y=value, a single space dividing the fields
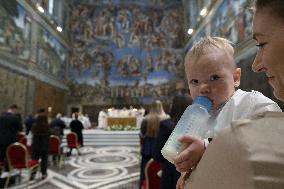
x=13 y=106
x=179 y=104
x=41 y=127
x=41 y=119
x=275 y=7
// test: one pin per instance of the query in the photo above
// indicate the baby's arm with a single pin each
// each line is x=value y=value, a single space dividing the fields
x=191 y=155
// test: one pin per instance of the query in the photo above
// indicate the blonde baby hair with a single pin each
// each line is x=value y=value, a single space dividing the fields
x=208 y=45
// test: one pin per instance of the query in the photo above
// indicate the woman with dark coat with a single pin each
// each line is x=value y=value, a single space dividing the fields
x=148 y=134
x=40 y=142
x=169 y=173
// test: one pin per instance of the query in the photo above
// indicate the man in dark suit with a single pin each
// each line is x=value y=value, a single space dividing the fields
x=58 y=126
x=10 y=125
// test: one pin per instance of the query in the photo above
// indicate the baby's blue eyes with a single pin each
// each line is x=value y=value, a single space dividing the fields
x=214 y=77
x=260 y=45
x=194 y=81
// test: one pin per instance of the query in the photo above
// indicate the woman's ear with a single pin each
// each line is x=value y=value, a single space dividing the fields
x=237 y=77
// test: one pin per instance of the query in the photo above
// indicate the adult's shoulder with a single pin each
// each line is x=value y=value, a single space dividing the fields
x=242 y=155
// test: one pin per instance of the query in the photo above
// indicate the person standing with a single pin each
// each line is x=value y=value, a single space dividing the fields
x=28 y=123
x=148 y=134
x=170 y=175
x=58 y=126
x=77 y=127
x=10 y=126
x=102 y=119
x=40 y=141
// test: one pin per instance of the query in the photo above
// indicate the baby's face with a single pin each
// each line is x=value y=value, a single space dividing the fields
x=213 y=75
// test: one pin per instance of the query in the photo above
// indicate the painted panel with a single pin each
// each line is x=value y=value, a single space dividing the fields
x=15 y=29
x=13 y=90
x=232 y=20
x=51 y=54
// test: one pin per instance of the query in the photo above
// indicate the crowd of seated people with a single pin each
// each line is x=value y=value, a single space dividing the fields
x=34 y=134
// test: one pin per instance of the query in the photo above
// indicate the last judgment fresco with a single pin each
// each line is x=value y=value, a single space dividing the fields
x=125 y=50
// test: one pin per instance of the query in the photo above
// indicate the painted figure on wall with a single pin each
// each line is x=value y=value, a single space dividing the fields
x=51 y=56
x=15 y=30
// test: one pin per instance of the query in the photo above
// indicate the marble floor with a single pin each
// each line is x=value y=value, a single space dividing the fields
x=109 y=160
x=102 y=167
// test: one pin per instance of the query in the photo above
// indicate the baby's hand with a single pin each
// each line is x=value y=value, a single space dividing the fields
x=181 y=181
x=191 y=155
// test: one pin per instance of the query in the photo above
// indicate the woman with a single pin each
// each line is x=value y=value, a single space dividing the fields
x=148 y=134
x=169 y=173
x=270 y=56
x=40 y=142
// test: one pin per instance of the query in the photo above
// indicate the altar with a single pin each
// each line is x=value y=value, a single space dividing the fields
x=121 y=118
x=123 y=121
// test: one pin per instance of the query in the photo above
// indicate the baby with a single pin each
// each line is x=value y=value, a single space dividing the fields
x=211 y=72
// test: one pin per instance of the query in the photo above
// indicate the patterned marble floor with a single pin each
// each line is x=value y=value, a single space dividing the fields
x=100 y=167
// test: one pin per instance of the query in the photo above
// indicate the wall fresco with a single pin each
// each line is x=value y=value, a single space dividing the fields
x=125 y=48
x=232 y=20
x=51 y=54
x=15 y=29
x=13 y=90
